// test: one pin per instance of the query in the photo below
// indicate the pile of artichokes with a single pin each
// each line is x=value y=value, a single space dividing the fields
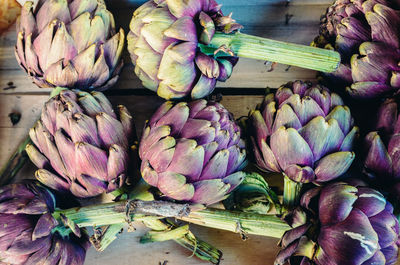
x=194 y=154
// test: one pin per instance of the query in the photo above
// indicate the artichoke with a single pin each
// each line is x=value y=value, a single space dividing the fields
x=182 y=47
x=192 y=151
x=382 y=146
x=163 y=42
x=80 y=144
x=303 y=131
x=346 y=224
x=28 y=231
x=69 y=43
x=366 y=34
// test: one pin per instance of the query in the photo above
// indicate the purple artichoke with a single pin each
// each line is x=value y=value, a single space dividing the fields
x=192 y=151
x=304 y=131
x=165 y=42
x=366 y=34
x=382 y=162
x=28 y=233
x=69 y=43
x=80 y=144
x=347 y=225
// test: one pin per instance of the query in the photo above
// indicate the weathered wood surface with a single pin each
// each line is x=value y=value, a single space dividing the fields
x=296 y=22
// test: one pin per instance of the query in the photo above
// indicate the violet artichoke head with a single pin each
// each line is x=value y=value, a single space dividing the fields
x=69 y=43
x=192 y=151
x=347 y=225
x=80 y=144
x=367 y=35
x=303 y=131
x=382 y=146
x=28 y=233
x=165 y=42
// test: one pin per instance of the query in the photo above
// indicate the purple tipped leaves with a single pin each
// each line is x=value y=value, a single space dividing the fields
x=80 y=144
x=304 y=131
x=28 y=233
x=164 y=41
x=346 y=225
x=192 y=151
x=72 y=44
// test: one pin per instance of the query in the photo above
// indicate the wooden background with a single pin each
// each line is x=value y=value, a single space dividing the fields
x=295 y=21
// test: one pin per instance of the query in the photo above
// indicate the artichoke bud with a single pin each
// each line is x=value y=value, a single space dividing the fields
x=349 y=26
x=192 y=152
x=168 y=45
x=315 y=127
x=382 y=145
x=253 y=195
x=75 y=45
x=81 y=145
x=30 y=234
x=346 y=224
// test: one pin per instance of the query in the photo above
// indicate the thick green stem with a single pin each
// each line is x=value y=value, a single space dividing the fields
x=162 y=230
x=119 y=212
x=253 y=47
x=238 y=222
x=19 y=157
x=291 y=193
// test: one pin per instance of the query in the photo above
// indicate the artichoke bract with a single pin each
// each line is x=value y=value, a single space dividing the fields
x=163 y=43
x=366 y=34
x=69 y=43
x=80 y=144
x=382 y=146
x=346 y=225
x=181 y=48
x=192 y=151
x=28 y=233
x=303 y=131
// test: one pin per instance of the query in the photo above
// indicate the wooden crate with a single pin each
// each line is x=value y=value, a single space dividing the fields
x=295 y=21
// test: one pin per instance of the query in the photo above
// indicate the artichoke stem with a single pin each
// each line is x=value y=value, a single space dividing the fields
x=182 y=236
x=19 y=157
x=105 y=235
x=247 y=46
x=291 y=193
x=127 y=211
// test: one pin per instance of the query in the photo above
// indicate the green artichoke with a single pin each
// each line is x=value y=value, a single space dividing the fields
x=366 y=33
x=163 y=43
x=69 y=43
x=80 y=144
